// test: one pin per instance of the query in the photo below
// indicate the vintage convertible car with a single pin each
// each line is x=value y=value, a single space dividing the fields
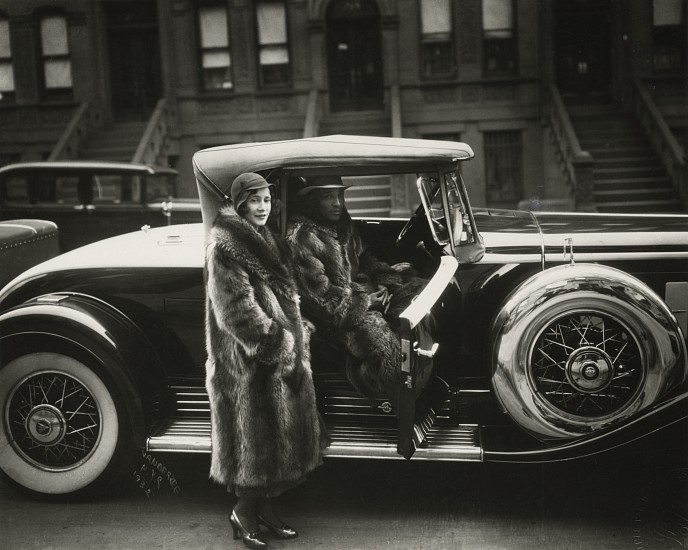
x=556 y=336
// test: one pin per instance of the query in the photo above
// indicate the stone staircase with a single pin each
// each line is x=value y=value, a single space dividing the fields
x=629 y=177
x=117 y=143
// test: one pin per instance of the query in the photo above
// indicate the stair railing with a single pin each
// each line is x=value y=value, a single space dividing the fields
x=153 y=143
x=68 y=146
x=663 y=140
x=576 y=164
x=311 y=126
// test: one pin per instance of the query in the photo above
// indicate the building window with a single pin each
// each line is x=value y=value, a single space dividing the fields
x=57 y=67
x=499 y=42
x=216 y=62
x=669 y=35
x=437 y=48
x=6 y=69
x=503 y=168
x=273 y=46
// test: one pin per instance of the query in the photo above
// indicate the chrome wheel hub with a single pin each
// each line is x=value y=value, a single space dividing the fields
x=46 y=425
x=589 y=369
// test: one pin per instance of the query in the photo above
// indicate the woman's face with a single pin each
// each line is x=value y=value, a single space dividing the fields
x=258 y=207
x=330 y=203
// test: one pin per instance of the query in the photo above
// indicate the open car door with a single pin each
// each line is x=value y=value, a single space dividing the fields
x=417 y=351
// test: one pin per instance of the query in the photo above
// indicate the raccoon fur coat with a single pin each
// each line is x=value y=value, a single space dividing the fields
x=334 y=291
x=266 y=430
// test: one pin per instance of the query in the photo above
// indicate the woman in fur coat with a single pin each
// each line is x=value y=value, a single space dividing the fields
x=266 y=432
x=345 y=290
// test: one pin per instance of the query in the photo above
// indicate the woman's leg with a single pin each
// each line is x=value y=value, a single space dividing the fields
x=268 y=518
x=246 y=509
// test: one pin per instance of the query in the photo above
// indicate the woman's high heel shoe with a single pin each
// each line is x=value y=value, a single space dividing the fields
x=250 y=540
x=283 y=531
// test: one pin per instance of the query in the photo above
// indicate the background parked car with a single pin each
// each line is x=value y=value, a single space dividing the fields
x=23 y=244
x=91 y=200
x=534 y=354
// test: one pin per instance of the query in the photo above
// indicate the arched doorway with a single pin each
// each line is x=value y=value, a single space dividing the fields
x=354 y=55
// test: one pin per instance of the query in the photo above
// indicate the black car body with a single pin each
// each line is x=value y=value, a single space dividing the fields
x=92 y=200
x=557 y=335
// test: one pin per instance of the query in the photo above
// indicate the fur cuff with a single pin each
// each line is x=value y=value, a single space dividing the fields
x=276 y=346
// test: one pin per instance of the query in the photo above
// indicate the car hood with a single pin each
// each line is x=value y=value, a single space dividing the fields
x=517 y=236
x=173 y=246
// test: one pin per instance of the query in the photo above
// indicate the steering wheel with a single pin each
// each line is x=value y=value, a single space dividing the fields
x=410 y=224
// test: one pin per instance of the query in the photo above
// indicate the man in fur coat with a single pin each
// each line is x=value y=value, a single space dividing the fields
x=343 y=288
x=266 y=432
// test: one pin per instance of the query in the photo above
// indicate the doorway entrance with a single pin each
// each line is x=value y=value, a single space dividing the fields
x=354 y=55
x=134 y=53
x=583 y=50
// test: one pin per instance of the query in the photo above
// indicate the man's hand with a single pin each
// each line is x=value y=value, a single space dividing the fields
x=380 y=298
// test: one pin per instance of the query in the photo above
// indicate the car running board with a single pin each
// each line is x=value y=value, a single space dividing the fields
x=454 y=443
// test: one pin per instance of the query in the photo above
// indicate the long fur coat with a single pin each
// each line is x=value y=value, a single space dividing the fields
x=336 y=299
x=265 y=426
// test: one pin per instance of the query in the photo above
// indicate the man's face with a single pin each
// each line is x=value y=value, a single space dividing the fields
x=330 y=203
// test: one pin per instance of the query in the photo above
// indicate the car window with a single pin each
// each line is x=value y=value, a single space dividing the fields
x=115 y=189
x=16 y=191
x=159 y=187
x=67 y=190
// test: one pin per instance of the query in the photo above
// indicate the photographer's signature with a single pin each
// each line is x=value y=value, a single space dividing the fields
x=153 y=477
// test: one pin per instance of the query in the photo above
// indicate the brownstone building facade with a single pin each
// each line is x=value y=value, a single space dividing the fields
x=582 y=101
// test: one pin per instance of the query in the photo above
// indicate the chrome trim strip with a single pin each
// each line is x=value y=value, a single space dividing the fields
x=581 y=257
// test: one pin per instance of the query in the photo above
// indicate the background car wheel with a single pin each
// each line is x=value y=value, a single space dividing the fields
x=61 y=431
x=581 y=348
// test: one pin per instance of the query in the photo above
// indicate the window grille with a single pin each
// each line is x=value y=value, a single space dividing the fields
x=503 y=167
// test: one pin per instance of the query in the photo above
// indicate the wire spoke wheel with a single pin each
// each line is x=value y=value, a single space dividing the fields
x=61 y=431
x=54 y=420
x=587 y=364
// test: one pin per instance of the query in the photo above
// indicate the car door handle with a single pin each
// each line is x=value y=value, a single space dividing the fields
x=430 y=353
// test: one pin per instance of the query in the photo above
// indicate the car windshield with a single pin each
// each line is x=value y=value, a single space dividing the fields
x=458 y=215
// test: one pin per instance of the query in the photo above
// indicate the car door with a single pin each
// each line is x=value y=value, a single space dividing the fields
x=418 y=348
x=440 y=198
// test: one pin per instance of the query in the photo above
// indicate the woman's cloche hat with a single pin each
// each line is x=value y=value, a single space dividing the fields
x=242 y=186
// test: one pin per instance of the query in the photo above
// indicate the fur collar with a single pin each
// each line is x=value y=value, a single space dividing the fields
x=255 y=249
x=340 y=232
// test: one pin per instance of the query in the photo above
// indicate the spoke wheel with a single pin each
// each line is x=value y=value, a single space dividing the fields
x=54 y=421
x=60 y=431
x=581 y=348
x=586 y=364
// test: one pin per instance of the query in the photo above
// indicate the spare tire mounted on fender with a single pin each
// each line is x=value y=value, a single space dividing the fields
x=578 y=348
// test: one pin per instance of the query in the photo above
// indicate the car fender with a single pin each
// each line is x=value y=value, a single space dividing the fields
x=544 y=309
x=85 y=325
